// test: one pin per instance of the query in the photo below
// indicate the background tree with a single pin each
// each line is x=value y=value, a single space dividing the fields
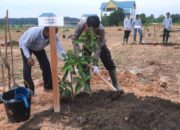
x=160 y=19
x=117 y=17
x=175 y=18
x=150 y=19
x=143 y=18
x=105 y=21
x=114 y=19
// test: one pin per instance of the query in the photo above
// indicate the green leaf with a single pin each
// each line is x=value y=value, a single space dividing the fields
x=78 y=87
x=65 y=76
x=67 y=92
x=84 y=62
x=68 y=68
x=87 y=77
x=77 y=79
x=61 y=89
x=83 y=75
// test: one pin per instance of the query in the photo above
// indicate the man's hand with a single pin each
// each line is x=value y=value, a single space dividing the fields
x=95 y=69
x=31 y=61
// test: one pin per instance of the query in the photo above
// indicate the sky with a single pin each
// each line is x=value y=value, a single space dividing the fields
x=75 y=8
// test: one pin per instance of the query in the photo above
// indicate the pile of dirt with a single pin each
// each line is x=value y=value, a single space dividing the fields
x=99 y=112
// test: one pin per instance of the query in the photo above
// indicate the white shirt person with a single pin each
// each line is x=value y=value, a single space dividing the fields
x=33 y=41
x=167 y=24
x=137 y=25
x=127 y=28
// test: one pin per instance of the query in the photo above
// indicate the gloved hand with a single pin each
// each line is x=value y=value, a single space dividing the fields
x=95 y=69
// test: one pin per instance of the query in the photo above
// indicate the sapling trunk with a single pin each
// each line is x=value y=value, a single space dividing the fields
x=72 y=90
x=11 y=44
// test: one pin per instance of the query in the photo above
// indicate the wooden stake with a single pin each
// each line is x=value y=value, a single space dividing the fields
x=2 y=69
x=5 y=35
x=6 y=56
x=154 y=30
x=54 y=69
x=11 y=44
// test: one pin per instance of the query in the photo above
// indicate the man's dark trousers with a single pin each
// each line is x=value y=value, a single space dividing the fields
x=166 y=35
x=44 y=65
x=106 y=59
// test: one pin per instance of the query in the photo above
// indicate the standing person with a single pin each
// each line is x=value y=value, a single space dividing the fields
x=127 y=28
x=102 y=50
x=167 y=23
x=137 y=25
x=34 y=40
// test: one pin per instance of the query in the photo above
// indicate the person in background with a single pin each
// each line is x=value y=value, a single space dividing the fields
x=33 y=41
x=102 y=51
x=167 y=24
x=137 y=25
x=127 y=28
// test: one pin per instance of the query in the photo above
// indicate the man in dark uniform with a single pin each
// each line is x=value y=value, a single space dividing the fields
x=102 y=51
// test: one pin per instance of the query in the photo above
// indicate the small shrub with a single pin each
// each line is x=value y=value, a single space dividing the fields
x=74 y=66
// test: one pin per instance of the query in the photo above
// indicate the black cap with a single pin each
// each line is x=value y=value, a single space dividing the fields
x=93 y=21
x=168 y=13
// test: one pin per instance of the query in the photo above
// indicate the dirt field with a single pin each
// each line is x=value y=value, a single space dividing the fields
x=149 y=74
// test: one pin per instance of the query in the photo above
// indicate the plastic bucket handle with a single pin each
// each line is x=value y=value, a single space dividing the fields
x=21 y=94
x=23 y=97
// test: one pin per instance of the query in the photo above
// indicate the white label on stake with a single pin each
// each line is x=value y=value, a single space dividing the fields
x=50 y=21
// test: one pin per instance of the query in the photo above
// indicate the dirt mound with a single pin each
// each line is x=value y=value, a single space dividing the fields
x=99 y=112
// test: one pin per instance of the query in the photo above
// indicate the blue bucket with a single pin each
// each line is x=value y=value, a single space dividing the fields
x=17 y=103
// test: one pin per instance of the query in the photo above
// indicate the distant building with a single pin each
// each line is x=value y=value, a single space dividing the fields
x=108 y=7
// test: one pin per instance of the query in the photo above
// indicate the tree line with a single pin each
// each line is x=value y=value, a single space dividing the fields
x=20 y=21
x=117 y=17
x=34 y=21
x=114 y=19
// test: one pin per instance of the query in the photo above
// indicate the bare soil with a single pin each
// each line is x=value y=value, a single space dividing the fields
x=149 y=75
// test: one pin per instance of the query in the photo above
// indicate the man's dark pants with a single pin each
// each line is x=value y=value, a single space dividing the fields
x=126 y=35
x=44 y=65
x=106 y=59
x=166 y=35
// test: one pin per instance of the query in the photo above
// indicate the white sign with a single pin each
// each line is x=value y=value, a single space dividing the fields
x=51 y=21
